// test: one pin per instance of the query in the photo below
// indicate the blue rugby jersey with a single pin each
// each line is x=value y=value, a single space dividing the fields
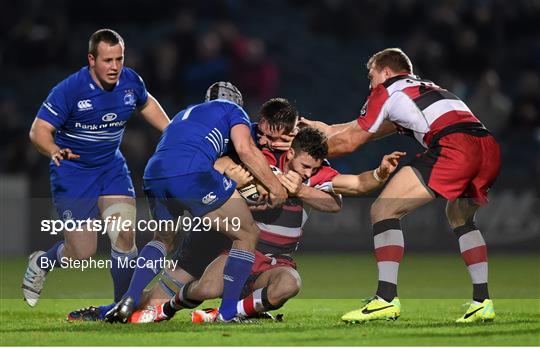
x=195 y=139
x=89 y=120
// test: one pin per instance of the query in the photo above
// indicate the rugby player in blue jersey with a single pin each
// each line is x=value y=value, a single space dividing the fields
x=79 y=127
x=181 y=176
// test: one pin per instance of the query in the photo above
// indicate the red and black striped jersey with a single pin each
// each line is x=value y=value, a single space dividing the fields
x=414 y=105
x=281 y=228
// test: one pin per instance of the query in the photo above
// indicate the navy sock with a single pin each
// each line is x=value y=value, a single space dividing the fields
x=121 y=273
x=45 y=262
x=142 y=276
x=235 y=274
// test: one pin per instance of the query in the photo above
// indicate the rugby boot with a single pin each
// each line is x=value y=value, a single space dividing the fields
x=478 y=312
x=121 y=312
x=33 y=280
x=207 y=315
x=211 y=315
x=375 y=309
x=151 y=314
x=85 y=314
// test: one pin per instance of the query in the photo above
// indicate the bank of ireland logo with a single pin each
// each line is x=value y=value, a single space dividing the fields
x=129 y=98
x=67 y=215
x=109 y=117
x=227 y=183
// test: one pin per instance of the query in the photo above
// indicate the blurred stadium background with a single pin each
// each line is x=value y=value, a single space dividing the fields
x=311 y=52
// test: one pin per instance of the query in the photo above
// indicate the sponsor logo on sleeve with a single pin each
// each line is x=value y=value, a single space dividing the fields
x=209 y=198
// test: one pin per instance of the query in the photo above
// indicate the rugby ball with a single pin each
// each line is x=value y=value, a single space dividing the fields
x=250 y=192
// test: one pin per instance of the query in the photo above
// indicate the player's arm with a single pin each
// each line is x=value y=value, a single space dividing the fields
x=327 y=129
x=347 y=140
x=42 y=136
x=226 y=165
x=317 y=199
x=357 y=185
x=285 y=140
x=343 y=138
x=256 y=163
x=154 y=114
x=387 y=128
x=320 y=200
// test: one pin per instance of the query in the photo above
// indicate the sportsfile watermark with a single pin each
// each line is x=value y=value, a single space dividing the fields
x=184 y=223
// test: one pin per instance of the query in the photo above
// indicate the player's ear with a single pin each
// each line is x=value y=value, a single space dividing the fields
x=91 y=60
x=290 y=154
x=387 y=72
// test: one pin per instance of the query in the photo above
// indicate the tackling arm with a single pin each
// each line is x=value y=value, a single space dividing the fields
x=347 y=140
x=255 y=161
x=225 y=165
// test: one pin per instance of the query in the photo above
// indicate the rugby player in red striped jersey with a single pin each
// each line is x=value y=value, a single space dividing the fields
x=311 y=182
x=460 y=164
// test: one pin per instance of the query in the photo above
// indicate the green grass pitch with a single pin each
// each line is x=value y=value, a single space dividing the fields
x=433 y=288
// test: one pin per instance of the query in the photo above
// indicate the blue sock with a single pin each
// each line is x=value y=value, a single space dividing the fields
x=142 y=276
x=235 y=274
x=45 y=262
x=121 y=272
x=104 y=309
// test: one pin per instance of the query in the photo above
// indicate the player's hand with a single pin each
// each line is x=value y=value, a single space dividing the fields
x=323 y=127
x=259 y=207
x=263 y=194
x=63 y=154
x=389 y=164
x=277 y=199
x=292 y=181
x=237 y=173
x=285 y=141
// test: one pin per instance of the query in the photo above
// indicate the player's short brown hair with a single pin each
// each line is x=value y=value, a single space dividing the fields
x=393 y=58
x=312 y=141
x=280 y=114
x=103 y=35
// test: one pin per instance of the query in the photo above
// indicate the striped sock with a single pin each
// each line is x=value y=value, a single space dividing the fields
x=255 y=303
x=235 y=274
x=142 y=276
x=120 y=274
x=474 y=252
x=389 y=247
x=180 y=301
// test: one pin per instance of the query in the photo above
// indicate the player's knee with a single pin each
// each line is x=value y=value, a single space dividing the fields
x=120 y=219
x=454 y=217
x=287 y=287
x=205 y=289
x=377 y=211
x=82 y=252
x=249 y=233
x=382 y=210
x=455 y=222
x=167 y=238
x=125 y=241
